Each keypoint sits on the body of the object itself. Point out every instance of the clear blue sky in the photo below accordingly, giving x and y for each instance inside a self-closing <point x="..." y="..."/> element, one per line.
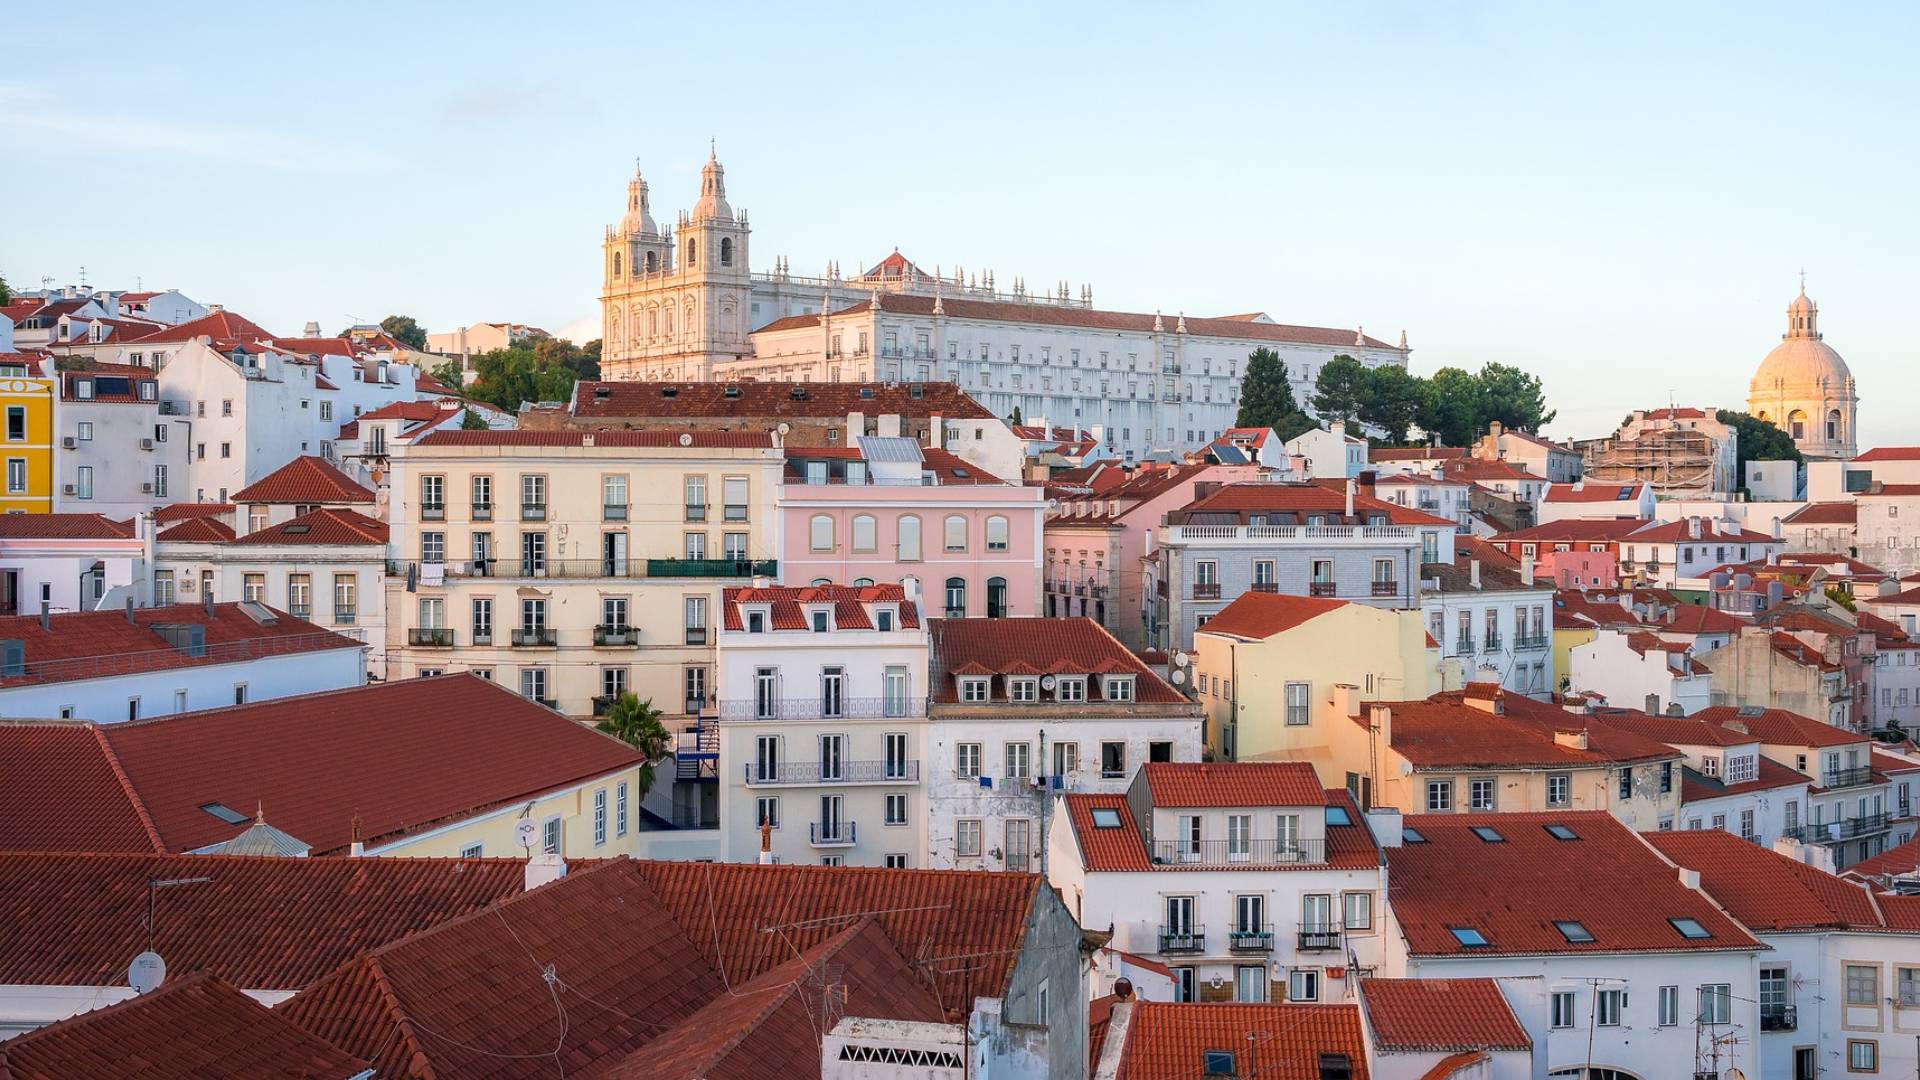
<point x="1617" y="197"/>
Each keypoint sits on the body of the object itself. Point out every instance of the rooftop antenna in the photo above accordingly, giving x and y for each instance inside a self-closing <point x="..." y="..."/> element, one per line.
<point x="148" y="970"/>
<point x="83" y="278"/>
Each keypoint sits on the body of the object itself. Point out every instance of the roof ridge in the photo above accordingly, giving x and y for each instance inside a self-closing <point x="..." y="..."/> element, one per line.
<point x="148" y="721"/>
<point x="787" y="991"/>
<point x="133" y="796"/>
<point x="417" y="1056"/>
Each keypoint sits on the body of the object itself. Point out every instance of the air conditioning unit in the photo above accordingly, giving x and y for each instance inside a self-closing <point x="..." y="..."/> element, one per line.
<point x="67" y="489"/>
<point x="68" y="442"/>
<point x="146" y="444"/>
<point x="146" y="489"/>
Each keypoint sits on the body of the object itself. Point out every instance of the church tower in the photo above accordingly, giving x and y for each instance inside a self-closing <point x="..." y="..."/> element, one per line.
<point x="1804" y="388"/>
<point x="676" y="303"/>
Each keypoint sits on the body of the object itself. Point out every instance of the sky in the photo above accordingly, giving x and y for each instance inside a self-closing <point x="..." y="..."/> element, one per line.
<point x="1616" y="197"/>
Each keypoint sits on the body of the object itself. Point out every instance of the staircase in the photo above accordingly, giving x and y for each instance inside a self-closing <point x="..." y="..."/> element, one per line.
<point x="697" y="751"/>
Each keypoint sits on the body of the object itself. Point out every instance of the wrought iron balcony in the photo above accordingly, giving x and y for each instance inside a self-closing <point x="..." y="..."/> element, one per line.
<point x="1209" y="591"/>
<point x="1320" y="939"/>
<point x="434" y="638"/>
<point x="1463" y="646"/>
<point x="1779" y="1018"/>
<point x="1238" y="853"/>
<point x="830" y="834"/>
<point x="817" y="774"/>
<point x="1323" y="588"/>
<point x="1183" y="939"/>
<point x="433" y="511"/>
<point x="1840" y="778"/>
<point x="1386" y="588"/>
<point x="1528" y="642"/>
<point x="482" y="511"/>
<point x="606" y="634"/>
<point x="1492" y="643"/>
<point x="716" y="568"/>
<point x="535" y="637"/>
<point x="609" y="512"/>
<point x="1251" y="938"/>
<point x="819" y="707"/>
<point x="1266" y="586"/>
<point x="533" y="511"/>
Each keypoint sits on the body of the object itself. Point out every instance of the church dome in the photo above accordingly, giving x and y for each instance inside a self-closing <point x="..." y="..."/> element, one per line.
<point x="639" y="218"/>
<point x="713" y="192"/>
<point x="1802" y="359"/>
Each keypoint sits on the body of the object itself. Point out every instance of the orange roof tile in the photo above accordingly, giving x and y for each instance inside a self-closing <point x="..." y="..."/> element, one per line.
<point x="1289" y="499"/>
<point x="1262" y="615"/>
<point x="92" y="644"/>
<point x="63" y="527"/>
<point x="523" y="437"/>
<point x="197" y="530"/>
<point x="1780" y="727"/>
<point x="1240" y="783"/>
<point x="1168" y="1041"/>
<point x="751" y="400"/>
<point x="1442" y="1015"/>
<point x="787" y="605"/>
<point x="327" y="526"/>
<point x="305" y="480"/>
<point x="1766" y="890"/>
<point x="1590" y="492"/>
<point x="172" y="512"/>
<point x="1830" y="513"/>
<point x="221" y="326"/>
<point x="1051" y="646"/>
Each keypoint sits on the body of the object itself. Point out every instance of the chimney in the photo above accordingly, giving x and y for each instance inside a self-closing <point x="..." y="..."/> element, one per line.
<point x="312" y="329"/>
<point x="130" y="609"/>
<point x="46" y="616"/>
<point x="1778" y="532"/>
<point x="1693" y="527"/>
<point x="358" y="847"/>
<point x="1346" y="700"/>
<point x="1526" y="570"/>
<point x="1204" y="488"/>
<point x="215" y="309"/>
<point x="1386" y="824"/>
<point x="545" y="867"/>
<point x="1690" y="879"/>
<point x="1487" y="699"/>
<point x="1473" y="572"/>
<point x="1580" y="485"/>
<point x="1380" y="719"/>
<point x="766" y="843"/>
<point x="1350" y="487"/>
<point x="1574" y="739"/>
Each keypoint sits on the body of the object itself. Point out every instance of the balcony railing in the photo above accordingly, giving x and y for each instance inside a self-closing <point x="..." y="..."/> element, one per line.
<point x="1839" y="778"/>
<point x="1779" y="1018"/>
<point x="1463" y="646"/>
<point x="615" y="635"/>
<point x="1183" y="939"/>
<point x="1843" y="829"/>
<point x="1238" y="853"/>
<point x="1206" y="591"/>
<point x="433" y="511"/>
<point x="830" y="834"/>
<point x="1492" y="644"/>
<point x="482" y="511"/>
<point x="482" y="636"/>
<point x="1323" y="588"/>
<point x="819" y="708"/>
<point x="1266" y="586"/>
<point x="436" y="638"/>
<point x="816" y="774"/>
<point x="696" y="511"/>
<point x="533" y="511"/>
<point x="720" y="568"/>
<point x="496" y="567"/>
<point x="1301" y="534"/>
<point x="1320" y="939"/>
<point x="535" y="637"/>
<point x="613" y="513"/>
<point x="1527" y="642"/>
<point x="1386" y="588"/>
<point x="1251" y="938"/>
<point x="603" y="703"/>
<point x="344" y="616"/>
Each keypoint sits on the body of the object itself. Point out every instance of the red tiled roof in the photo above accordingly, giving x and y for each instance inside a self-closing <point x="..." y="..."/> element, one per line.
<point x="1574" y="530"/>
<point x="1682" y="413"/>
<point x="1484" y="469"/>
<point x="946" y="466"/>
<point x="198" y="530"/>
<point x="190" y="1027"/>
<point x="711" y="439"/>
<point x="752" y="400"/>
<point x="1891" y="453"/>
<point x="112" y="384"/>
<point x="787" y="605"/>
<point x="1829" y="513"/>
<point x="1624" y="895"/>
<point x="1415" y="453"/>
<point x="1119" y="849"/>
<point x="1441" y="1015"/>
<point x="1890" y="491"/>
<point x="92" y="644"/>
<point x="305" y="479"/>
<point x="1262" y="615"/>
<point x="1239" y="783"/>
<point x="173" y="512"/>
<point x="1169" y="1041"/>
<point x="1698" y="619"/>
<point x="1589" y="492"/>
<point x="1764" y="889"/>
<point x="1077" y="646"/>
<point x="1780" y="727"/>
<point x="1907" y="596"/>
<point x="1800" y="652"/>
<point x="1893" y="764"/>
<point x="63" y="527"/>
<point x="1283" y="498"/>
<point x="1680" y="531"/>
<point x="1770" y="776"/>
<point x="323" y="526"/>
<point x="221" y="326"/>
<point x="262" y="923"/>
<point x="1455" y="1066"/>
<point x="62" y="790"/>
<point x="1442" y="733"/>
<point x="1901" y="859"/>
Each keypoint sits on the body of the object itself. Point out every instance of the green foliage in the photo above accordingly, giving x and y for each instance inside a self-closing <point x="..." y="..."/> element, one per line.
<point x="6" y="292"/>
<point x="1514" y="398"/>
<point x="449" y="374"/>
<point x="543" y="371"/>
<point x="403" y="329"/>
<point x="637" y="723"/>
<point x="1341" y="390"/>
<point x="1759" y="440"/>
<point x="1266" y="397"/>
<point x="1451" y="406"/>
<point x="1840" y="596"/>
<point x="470" y="421"/>
<point x="1015" y="418"/>
<point x="1393" y="402"/>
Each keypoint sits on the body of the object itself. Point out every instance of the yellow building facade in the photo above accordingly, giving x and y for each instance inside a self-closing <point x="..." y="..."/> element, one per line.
<point x="595" y="819"/>
<point x="27" y="405"/>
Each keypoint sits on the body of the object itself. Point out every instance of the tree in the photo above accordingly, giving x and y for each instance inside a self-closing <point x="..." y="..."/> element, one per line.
<point x="403" y="329"/>
<point x="1340" y="392"/>
<point x="1512" y="397"/>
<point x="470" y="421"/>
<point x="1451" y="407"/>
<point x="449" y="374"/>
<point x="1015" y="418"/>
<point x="6" y="293"/>
<point x="1394" y="400"/>
<point x="1266" y="397"/>
<point x="637" y="723"/>
<point x="506" y="378"/>
<point x="1756" y="440"/>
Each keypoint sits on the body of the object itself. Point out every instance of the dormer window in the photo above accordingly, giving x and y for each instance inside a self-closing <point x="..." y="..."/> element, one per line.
<point x="1023" y="689"/>
<point x="822" y="620"/>
<point x="148" y="390"/>
<point x="973" y="689"/>
<point x="883" y="618"/>
<point x="83" y="389"/>
<point x="1071" y="688"/>
<point x="1119" y="688"/>
<point x="756" y="622"/>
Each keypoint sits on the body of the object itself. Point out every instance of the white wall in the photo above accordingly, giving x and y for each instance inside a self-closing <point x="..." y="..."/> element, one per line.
<point x="205" y="686"/>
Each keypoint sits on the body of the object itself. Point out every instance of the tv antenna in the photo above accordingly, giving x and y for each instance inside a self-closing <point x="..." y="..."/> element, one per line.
<point x="148" y="970"/>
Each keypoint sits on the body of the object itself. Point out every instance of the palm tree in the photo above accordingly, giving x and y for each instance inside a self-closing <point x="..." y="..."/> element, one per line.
<point x="637" y="723"/>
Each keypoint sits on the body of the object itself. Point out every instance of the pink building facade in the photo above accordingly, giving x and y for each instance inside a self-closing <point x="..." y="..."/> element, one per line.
<point x="961" y="542"/>
<point x="1582" y="569"/>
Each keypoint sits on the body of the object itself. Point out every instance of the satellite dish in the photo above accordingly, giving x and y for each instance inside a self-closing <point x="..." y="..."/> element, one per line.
<point x="523" y="832"/>
<point x="1181" y="659"/>
<point x="1179" y="677"/>
<point x="686" y="438"/>
<point x="1047" y="681"/>
<point x="783" y="427"/>
<point x="146" y="972"/>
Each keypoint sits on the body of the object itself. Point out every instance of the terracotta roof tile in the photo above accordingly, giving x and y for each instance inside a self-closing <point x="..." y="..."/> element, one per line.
<point x="1262" y="615"/>
<point x="1051" y="646"/>
<point x="1483" y="469"/>
<point x="1891" y="453"/>
<point x="1240" y="783"/>
<point x="1764" y="889"/>
<point x="787" y="605"/>
<point x="91" y="644"/>
<point x="1897" y="860"/>
<point x="221" y="326"/>
<point x="1295" y="499"/>
<point x="262" y="923"/>
<point x="1780" y="727"/>
<point x="1829" y="513"/>
<point x="322" y="526"/>
<point x="1458" y="1066"/>
<point x="1442" y="733"/>
<point x="190" y="1027"/>
<point x="1624" y="895"/>
<point x="61" y="790"/>
<point x="521" y="437"/>
<point x="1575" y="530"/>
<point x="1105" y="848"/>
<point x="752" y="400"/>
<point x="1441" y="1015"/>
<point x="172" y="512"/>
<point x="1415" y="453"/>
<point x="1589" y="492"/>
<point x="63" y="527"/>
<point x="305" y="480"/>
<point x="1770" y="776"/>
<point x="197" y="530"/>
<point x="1165" y="1041"/>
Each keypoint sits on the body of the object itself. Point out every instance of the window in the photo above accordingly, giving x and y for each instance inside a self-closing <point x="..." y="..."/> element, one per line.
<point x="1626" y="782"/>
<point x="1113" y="760"/>
<point x="1119" y="688"/>
<point x="1439" y="796"/>
<point x="1298" y="705"/>
<point x="16" y="423"/>
<point x="694" y="616"/>
<point x="1863" y="984"/>
<point x="907" y="536"/>
<point x="162" y="588"/>
<point x="1357" y="910"/>
<point x="1216" y="1062"/>
<point x="956" y="598"/>
<point x="85" y="431"/>
<point x="1066" y="758"/>
<point x="1561" y="832"/>
<point x="895" y="861"/>
<point x="1563" y="1010"/>
<point x="1716" y="1003"/>
<point x="1468" y="937"/>
<point x="820" y="533"/>
<point x="1018" y="760"/>
<point x="533" y="497"/>
<point x="1303" y="984"/>
<point x="620" y="809"/>
<point x="997" y="533"/>
<point x="253" y="587"/>
<point x="160" y="480"/>
<point x="1608" y="1005"/>
<point x="733" y="497"/>
<point x="955" y="532"/>
<point x="1559" y="789"/>
<point x="865" y="533"/>
<point x="1070" y="688"/>
<point x="1574" y="931"/>
<point x="1690" y="928"/>
<point x="1909" y="986"/>
<point x="973" y="689"/>
<point x="1023" y="688"/>
<point x="966" y="838"/>
<point x="16" y="476"/>
<point x="550" y="836"/>
<point x="600" y="817"/>
<point x="84" y="489"/>
<point x="896" y="808"/>
<point x="966" y="760"/>
<point x="1863" y="1055"/>
<point x="1669" y="1006"/>
<point x="1481" y="792"/>
<point x="345" y="593"/>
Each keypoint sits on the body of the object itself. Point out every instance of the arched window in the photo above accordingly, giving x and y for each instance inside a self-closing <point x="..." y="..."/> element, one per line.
<point x="819" y="581"/>
<point x="996" y="598"/>
<point x="996" y="533"/>
<point x="616" y="264"/>
<point x="667" y="329"/>
<point x="909" y="539"/>
<point x="726" y="251"/>
<point x="1797" y="424"/>
<point x="820" y="533"/>
<point x="863" y="583"/>
<point x="653" y="262"/>
<point x="690" y="260"/>
<point x="956" y="598"/>
<point x="1833" y="426"/>
<point x="956" y="533"/>
<point x="865" y="533"/>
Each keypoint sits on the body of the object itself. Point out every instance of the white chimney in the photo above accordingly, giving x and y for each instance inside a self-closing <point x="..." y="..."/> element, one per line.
<point x="1693" y="527"/>
<point x="1689" y="879"/>
<point x="1526" y="569"/>
<point x="1346" y="700"/>
<point x="6" y="334"/>
<point x="545" y="867"/>
<point x="1350" y="488"/>
<point x="312" y="329"/>
<point x="1473" y="572"/>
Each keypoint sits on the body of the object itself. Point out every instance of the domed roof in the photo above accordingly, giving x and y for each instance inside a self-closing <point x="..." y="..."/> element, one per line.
<point x="1802" y="359"/>
<point x="713" y="191"/>
<point x="639" y="218"/>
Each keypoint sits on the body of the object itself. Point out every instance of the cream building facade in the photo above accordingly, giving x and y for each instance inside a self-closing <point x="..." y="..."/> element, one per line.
<point x="1804" y="387"/>
<point x="575" y="566"/>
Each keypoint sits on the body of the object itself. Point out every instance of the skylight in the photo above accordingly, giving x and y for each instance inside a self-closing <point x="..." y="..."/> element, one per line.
<point x="1468" y="936"/>
<point x="1104" y="818"/>
<point x="1574" y="931"/>
<point x="1337" y="815"/>
<point x="1488" y="833"/>
<point x="1412" y="835"/>
<point x="1218" y="1063"/>
<point x="225" y="813"/>
<point x="1690" y="928"/>
<point x="1561" y="832"/>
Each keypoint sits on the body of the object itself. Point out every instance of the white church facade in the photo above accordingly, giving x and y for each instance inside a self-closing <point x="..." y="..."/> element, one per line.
<point x="683" y="304"/>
